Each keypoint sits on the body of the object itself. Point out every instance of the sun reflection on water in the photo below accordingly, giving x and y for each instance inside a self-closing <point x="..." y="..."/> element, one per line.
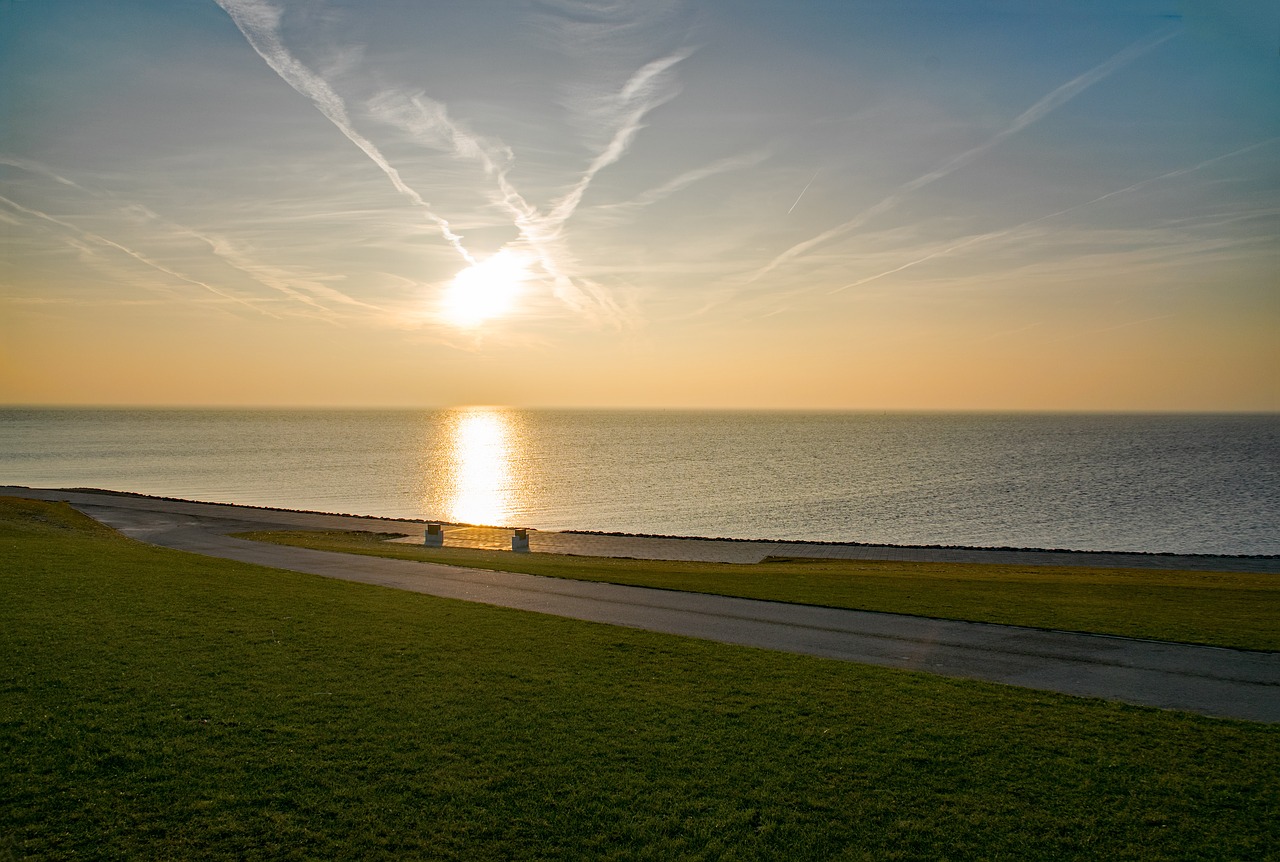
<point x="479" y="455"/>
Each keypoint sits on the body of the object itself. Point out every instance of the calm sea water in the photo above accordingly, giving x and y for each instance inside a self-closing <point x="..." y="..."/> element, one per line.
<point x="1184" y="484"/>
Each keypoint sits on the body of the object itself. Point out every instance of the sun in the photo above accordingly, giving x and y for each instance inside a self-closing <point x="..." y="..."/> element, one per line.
<point x="484" y="290"/>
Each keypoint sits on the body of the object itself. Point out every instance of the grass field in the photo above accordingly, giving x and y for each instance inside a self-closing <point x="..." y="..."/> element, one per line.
<point x="156" y="704"/>
<point x="1219" y="608"/>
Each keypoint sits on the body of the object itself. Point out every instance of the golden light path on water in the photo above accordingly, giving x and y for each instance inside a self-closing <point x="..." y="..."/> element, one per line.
<point x="480" y="486"/>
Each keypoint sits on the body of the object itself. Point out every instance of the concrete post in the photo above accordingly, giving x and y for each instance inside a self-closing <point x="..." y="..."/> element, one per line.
<point x="434" y="537"/>
<point x="520" y="540"/>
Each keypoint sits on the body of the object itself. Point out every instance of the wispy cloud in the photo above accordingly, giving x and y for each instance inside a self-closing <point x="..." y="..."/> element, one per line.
<point x="542" y="232"/>
<point x="101" y="241"/>
<point x="305" y="288"/>
<point x="1004" y="232"/>
<point x="621" y="116"/>
<point x="259" y="22"/>
<point x="1056" y="98"/>
<point x="1090" y="264"/>
<point x="34" y="167"/>
<point x="431" y="124"/>
<point x="613" y="118"/>
<point x="606" y="35"/>
<point x="428" y="120"/>
<point x="682" y="181"/>
<point x="652" y="85"/>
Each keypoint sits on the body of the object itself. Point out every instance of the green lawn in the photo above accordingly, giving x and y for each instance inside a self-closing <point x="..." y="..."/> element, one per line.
<point x="1219" y="608"/>
<point x="157" y="705"/>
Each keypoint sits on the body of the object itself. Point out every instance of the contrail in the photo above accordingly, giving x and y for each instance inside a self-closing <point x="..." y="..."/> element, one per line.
<point x="803" y="190"/>
<point x="970" y="241"/>
<point x="141" y="258"/>
<point x="35" y="167"/>
<point x="220" y="247"/>
<point x="642" y="93"/>
<point x="1006" y="231"/>
<point x="1047" y="104"/>
<point x="259" y="22"/>
<point x="686" y="179"/>
<point x="276" y="278"/>
<point x="430" y="122"/>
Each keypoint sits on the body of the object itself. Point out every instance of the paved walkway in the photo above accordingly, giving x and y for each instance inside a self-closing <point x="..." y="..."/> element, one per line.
<point x="1222" y="682"/>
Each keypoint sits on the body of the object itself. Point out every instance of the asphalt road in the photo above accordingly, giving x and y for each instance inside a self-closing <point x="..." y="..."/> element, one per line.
<point x="1213" y="681"/>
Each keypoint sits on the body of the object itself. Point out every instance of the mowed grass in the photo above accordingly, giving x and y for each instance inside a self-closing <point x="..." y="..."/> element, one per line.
<point x="156" y="704"/>
<point x="1219" y="608"/>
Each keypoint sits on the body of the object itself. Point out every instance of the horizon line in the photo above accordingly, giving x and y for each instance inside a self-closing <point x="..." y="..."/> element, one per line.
<point x="387" y="408"/>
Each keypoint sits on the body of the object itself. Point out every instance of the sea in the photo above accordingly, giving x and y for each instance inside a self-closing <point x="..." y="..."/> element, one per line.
<point x="1200" y="484"/>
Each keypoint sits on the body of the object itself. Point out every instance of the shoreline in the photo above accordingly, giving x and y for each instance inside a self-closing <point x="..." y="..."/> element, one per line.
<point x="920" y="547"/>
<point x="654" y="546"/>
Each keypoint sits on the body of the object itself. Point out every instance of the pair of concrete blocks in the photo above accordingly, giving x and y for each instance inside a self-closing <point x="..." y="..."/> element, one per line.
<point x="434" y="538"/>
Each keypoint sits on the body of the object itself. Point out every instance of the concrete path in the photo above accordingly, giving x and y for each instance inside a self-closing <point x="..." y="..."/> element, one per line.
<point x="1213" y="681"/>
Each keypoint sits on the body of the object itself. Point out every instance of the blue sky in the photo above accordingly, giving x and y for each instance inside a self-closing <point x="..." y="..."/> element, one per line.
<point x="880" y="205"/>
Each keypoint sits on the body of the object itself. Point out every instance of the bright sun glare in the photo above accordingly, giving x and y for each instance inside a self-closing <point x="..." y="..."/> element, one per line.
<point x="484" y="290"/>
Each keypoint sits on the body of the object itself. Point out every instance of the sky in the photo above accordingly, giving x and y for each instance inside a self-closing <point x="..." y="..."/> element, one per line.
<point x="888" y="205"/>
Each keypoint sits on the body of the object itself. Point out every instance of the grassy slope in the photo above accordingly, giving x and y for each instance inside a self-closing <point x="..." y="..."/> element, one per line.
<point x="1220" y="608"/>
<point x="155" y="704"/>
